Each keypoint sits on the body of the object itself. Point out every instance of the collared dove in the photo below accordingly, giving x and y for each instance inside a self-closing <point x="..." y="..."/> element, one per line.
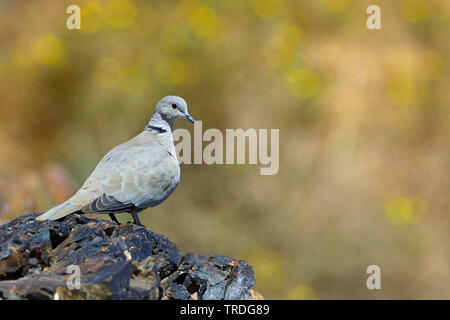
<point x="134" y="175"/>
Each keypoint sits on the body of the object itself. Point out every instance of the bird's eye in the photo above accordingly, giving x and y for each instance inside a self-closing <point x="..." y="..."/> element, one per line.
<point x="174" y="105"/>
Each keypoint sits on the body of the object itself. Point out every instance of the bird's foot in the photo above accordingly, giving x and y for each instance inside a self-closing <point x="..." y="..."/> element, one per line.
<point x="113" y="218"/>
<point x="136" y="220"/>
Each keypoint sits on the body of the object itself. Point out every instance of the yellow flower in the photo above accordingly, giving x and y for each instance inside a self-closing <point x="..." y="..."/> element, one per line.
<point x="335" y="5"/>
<point x="49" y="49"/>
<point x="402" y="211"/>
<point x="203" y="21"/>
<point x="402" y="91"/>
<point x="414" y="11"/>
<point x="303" y="83"/>
<point x="120" y="14"/>
<point x="91" y="17"/>
<point x="267" y="8"/>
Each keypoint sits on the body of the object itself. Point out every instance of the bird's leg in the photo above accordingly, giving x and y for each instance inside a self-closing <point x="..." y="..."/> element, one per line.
<point x="136" y="218"/>
<point x="113" y="218"/>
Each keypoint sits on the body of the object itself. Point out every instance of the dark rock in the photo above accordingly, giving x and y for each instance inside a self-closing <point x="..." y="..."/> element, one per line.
<point x="39" y="260"/>
<point x="240" y="285"/>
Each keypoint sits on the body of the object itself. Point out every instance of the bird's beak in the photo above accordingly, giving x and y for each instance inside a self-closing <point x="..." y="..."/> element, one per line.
<point x="189" y="117"/>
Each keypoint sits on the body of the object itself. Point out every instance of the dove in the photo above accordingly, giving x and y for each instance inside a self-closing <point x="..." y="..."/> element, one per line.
<point x="134" y="175"/>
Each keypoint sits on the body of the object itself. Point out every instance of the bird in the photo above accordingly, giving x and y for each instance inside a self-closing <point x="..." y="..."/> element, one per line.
<point x="139" y="173"/>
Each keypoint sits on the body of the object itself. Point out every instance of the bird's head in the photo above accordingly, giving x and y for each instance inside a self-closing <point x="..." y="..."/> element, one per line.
<point x="171" y="108"/>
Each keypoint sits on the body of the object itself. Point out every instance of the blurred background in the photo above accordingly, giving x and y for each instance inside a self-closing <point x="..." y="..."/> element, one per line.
<point x="363" y="116"/>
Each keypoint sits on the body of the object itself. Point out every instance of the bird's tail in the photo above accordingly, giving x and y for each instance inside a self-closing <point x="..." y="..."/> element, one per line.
<point x="60" y="211"/>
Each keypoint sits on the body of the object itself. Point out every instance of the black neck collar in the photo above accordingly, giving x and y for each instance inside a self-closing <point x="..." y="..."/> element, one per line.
<point x="155" y="128"/>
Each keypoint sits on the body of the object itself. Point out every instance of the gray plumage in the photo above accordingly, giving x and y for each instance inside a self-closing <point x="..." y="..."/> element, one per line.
<point x="134" y="175"/>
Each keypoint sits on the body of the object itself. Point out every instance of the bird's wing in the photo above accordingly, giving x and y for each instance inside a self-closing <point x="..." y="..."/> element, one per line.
<point x="136" y="176"/>
<point x="107" y="204"/>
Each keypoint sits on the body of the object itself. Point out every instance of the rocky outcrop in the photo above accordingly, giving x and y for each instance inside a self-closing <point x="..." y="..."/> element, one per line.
<point x="45" y="260"/>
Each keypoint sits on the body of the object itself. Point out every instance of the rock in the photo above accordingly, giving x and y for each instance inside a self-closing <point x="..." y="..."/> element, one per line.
<point x="40" y="260"/>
